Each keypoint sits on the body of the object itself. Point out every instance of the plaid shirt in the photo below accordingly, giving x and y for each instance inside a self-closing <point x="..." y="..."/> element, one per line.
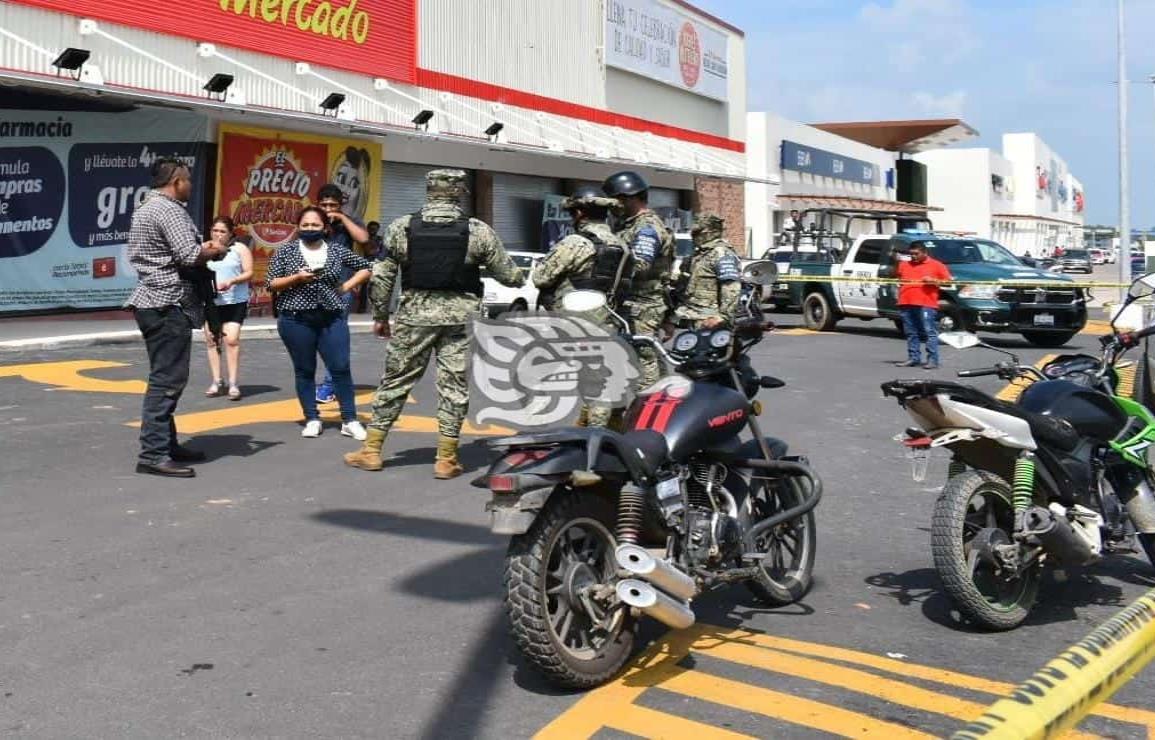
<point x="163" y="238"/>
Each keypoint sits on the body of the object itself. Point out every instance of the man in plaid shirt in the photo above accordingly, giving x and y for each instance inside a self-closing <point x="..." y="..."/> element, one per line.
<point x="164" y="247"/>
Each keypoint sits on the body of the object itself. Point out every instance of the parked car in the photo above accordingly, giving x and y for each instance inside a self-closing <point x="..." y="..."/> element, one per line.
<point x="1111" y="255"/>
<point x="1098" y="257"/>
<point x="1076" y="260"/>
<point x="499" y="299"/>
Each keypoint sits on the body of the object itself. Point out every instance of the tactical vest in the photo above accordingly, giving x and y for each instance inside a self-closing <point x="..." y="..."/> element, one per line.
<point x="436" y="255"/>
<point x="610" y="271"/>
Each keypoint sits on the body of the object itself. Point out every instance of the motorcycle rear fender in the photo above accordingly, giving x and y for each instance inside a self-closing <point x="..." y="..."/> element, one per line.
<point x="537" y="465"/>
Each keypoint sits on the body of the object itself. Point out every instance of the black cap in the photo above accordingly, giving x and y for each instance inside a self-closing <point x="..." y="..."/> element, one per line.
<point x="625" y="183"/>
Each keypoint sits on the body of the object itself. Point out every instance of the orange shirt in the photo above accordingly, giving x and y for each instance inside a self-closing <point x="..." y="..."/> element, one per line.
<point x="914" y="292"/>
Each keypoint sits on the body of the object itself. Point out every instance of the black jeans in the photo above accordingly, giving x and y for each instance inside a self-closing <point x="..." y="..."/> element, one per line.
<point x="168" y="338"/>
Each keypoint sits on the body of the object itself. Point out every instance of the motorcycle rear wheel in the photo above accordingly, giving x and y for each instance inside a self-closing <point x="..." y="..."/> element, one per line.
<point x="569" y="547"/>
<point x="787" y="571"/>
<point x="970" y="503"/>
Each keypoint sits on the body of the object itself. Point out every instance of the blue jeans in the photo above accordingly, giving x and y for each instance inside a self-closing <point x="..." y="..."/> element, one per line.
<point x="348" y="298"/>
<point x="306" y="333"/>
<point x="918" y="323"/>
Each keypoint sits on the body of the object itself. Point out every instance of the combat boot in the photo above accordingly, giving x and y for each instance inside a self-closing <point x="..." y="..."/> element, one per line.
<point x="447" y="465"/>
<point x="369" y="456"/>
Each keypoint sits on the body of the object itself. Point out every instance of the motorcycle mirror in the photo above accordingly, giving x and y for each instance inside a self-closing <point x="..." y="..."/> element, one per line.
<point x="1143" y="287"/>
<point x="760" y="272"/>
<point x="959" y="339"/>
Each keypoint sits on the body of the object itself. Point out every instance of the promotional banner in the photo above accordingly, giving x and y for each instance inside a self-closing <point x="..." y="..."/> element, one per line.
<point x="69" y="183"/>
<point x="265" y="177"/>
<point x="665" y="44"/>
<point x="372" y="37"/>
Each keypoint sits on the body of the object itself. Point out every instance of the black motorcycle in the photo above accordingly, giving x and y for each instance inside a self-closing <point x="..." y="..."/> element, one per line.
<point x="607" y="526"/>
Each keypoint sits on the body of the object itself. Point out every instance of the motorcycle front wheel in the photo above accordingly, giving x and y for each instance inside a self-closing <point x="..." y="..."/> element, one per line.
<point x="558" y="624"/>
<point x="973" y="507"/>
<point x="786" y="571"/>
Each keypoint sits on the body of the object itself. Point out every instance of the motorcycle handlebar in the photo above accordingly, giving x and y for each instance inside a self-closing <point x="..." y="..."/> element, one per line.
<point x="979" y="372"/>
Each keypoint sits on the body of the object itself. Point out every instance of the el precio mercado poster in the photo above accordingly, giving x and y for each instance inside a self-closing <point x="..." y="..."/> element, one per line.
<point x="265" y="177"/>
<point x="69" y="183"/>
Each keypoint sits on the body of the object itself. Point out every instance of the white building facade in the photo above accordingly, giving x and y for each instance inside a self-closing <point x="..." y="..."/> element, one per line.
<point x="796" y="166"/>
<point x="531" y="99"/>
<point x="1024" y="197"/>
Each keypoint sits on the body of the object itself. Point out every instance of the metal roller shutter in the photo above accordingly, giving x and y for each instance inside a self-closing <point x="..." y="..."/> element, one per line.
<point x="403" y="190"/>
<point x="517" y="209"/>
<point x="663" y="198"/>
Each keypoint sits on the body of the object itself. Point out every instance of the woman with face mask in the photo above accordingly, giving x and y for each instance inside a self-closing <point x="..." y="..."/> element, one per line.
<point x="305" y="274"/>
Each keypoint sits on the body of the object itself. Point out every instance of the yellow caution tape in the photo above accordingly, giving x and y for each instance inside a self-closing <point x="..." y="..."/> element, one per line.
<point x="1061" y="693"/>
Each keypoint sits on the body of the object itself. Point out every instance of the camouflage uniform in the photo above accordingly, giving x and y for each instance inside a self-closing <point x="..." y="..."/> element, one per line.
<point x="574" y="256"/>
<point x="709" y="285"/>
<point x="652" y="244"/>
<point x="432" y="321"/>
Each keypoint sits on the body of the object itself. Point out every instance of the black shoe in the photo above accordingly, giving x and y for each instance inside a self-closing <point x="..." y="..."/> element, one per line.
<point x="167" y="469"/>
<point x="184" y="454"/>
<point x="908" y="363"/>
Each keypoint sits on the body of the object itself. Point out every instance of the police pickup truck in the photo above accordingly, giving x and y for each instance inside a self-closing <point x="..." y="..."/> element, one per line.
<point x="1046" y="316"/>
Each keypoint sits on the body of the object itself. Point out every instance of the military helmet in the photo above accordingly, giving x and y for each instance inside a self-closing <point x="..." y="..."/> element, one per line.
<point x="588" y="196"/>
<point x="625" y="183"/>
<point x="445" y="183"/>
<point x="707" y="227"/>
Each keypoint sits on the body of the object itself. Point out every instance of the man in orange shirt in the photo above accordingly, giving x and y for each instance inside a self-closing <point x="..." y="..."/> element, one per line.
<point x="921" y="277"/>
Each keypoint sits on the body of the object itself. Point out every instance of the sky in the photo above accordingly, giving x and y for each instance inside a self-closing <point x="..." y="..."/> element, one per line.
<point x="1003" y="66"/>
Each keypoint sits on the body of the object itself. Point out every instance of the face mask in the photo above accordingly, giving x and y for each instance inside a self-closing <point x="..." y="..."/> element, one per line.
<point x="310" y="235"/>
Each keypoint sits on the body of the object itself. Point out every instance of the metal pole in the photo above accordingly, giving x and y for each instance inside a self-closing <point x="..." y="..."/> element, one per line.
<point x="1124" y="169"/>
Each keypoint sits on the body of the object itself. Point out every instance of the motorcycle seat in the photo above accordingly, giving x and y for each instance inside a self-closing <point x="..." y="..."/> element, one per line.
<point x="1047" y="429"/>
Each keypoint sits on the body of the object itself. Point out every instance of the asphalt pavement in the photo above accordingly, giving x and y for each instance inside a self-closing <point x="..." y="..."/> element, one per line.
<point x="281" y="594"/>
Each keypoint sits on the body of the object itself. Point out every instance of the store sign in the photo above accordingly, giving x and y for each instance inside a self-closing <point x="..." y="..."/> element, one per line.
<point x="69" y="183"/>
<point x="657" y="41"/>
<point x="265" y="177"/>
<point x="827" y="164"/>
<point x="372" y="37"/>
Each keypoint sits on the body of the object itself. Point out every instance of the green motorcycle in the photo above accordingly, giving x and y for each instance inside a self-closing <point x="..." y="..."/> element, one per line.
<point x="1062" y="476"/>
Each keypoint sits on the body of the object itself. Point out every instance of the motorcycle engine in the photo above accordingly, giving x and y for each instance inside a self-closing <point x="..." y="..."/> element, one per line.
<point x="712" y="534"/>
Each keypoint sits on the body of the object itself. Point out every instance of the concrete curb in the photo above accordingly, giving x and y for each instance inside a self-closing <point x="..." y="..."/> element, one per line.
<point x="132" y="336"/>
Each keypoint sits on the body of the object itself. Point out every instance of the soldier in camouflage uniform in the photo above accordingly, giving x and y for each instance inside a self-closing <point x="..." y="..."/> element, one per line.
<point x="439" y="253"/>
<point x="652" y="245"/>
<point x="710" y="283"/>
<point x="593" y="258"/>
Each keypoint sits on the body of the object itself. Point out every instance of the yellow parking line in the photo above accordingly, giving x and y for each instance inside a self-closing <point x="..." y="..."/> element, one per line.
<point x="785" y="707"/>
<point x="650" y="723"/>
<point x="863" y="682"/>
<point x="943" y="676"/>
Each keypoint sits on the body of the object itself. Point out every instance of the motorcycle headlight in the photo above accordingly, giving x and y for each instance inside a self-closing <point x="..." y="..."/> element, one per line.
<point x="981" y="292"/>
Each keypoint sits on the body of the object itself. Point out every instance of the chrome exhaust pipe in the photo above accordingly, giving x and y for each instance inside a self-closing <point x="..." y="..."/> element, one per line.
<point x="644" y="566"/>
<point x="653" y="603"/>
